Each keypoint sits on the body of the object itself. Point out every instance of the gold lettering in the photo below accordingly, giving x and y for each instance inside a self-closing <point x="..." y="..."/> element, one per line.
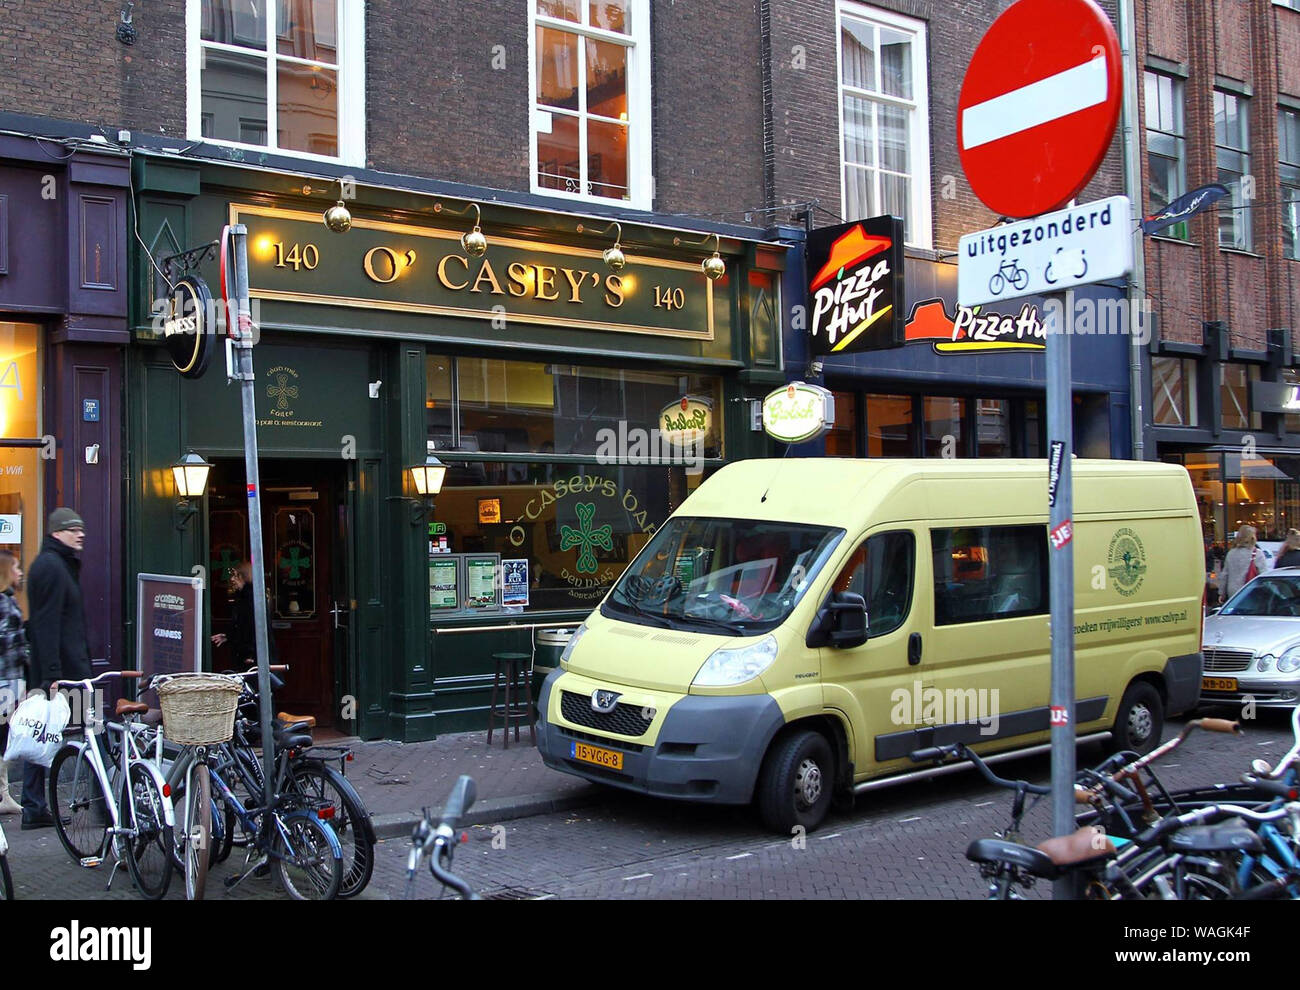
<point x="442" y="271"/>
<point x="575" y="284"/>
<point x="368" y="263"/>
<point x="486" y="272"/>
<point x="613" y="291"/>
<point x="518" y="276"/>
<point x="546" y="283"/>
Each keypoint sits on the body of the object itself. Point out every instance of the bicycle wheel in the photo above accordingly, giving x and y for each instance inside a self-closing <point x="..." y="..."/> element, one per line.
<point x="77" y="803"/>
<point x="6" y="880"/>
<point x="304" y="857"/>
<point x="148" y="852"/>
<point x="198" y="831"/>
<point x="325" y="785"/>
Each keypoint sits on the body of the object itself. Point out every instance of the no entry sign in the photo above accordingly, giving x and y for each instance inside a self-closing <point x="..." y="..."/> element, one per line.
<point x="1039" y="105"/>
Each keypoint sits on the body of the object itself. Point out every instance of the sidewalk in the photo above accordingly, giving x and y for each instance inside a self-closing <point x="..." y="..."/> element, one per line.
<point x="396" y="780"/>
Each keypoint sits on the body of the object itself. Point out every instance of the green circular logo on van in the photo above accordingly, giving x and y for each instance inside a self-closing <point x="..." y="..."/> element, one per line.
<point x="1127" y="562"/>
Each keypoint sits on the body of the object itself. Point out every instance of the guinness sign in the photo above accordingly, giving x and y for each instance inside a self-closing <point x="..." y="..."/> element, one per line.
<point x="185" y="329"/>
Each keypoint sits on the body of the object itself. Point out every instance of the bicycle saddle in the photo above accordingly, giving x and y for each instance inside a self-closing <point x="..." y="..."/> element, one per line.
<point x="1081" y="847"/>
<point x="125" y="707"/>
<point x="1013" y="854"/>
<point x="286" y="719"/>
<point x="292" y="740"/>
<point x="1224" y="837"/>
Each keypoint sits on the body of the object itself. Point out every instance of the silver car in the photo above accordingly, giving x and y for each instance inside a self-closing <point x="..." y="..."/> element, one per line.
<point x="1252" y="644"/>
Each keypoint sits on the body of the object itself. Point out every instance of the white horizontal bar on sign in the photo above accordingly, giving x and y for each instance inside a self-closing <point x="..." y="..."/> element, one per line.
<point x="1040" y="102"/>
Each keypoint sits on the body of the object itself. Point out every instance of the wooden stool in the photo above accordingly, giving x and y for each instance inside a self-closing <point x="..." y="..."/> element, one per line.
<point x="511" y="675"/>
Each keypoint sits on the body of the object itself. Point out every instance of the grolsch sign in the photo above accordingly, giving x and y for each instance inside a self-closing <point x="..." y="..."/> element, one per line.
<point x="855" y="286"/>
<point x="186" y="333"/>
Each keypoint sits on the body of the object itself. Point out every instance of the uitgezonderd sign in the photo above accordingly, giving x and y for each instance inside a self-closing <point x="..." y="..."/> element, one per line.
<point x="798" y="412"/>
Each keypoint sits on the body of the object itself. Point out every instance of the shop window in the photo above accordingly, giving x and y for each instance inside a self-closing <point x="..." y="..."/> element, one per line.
<point x="590" y="98"/>
<point x="1259" y="491"/>
<point x="1166" y="148"/>
<point x="1035" y="429"/>
<point x="764" y="323"/>
<point x="881" y="571"/>
<point x="1288" y="148"/>
<point x="1232" y="154"/>
<point x="1173" y="391"/>
<point x="993" y="427"/>
<point x="20" y="467"/>
<point x="291" y="70"/>
<point x="1206" y="473"/>
<point x="943" y="427"/>
<point x="989" y="572"/>
<point x="842" y="440"/>
<point x="1234" y="396"/>
<point x="884" y="113"/>
<point x="891" y="431"/>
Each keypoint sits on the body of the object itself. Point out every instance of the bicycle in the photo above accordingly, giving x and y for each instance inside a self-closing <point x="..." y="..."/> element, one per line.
<point x="1008" y="272"/>
<point x="438" y="842"/>
<point x="87" y="816"/>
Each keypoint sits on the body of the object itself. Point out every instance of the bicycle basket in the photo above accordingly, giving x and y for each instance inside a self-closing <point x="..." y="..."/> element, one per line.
<point x="198" y="709"/>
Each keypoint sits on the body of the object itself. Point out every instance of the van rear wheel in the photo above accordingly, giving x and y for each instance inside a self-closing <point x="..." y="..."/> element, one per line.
<point x="794" y="787"/>
<point x="1140" y="719"/>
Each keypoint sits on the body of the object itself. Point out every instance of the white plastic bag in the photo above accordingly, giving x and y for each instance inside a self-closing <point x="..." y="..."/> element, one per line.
<point x="36" y="729"/>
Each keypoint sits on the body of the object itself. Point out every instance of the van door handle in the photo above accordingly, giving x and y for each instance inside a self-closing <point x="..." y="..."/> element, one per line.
<point x="914" y="649"/>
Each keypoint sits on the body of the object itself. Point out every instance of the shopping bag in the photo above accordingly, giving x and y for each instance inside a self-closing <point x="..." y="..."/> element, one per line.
<point x="36" y="729"/>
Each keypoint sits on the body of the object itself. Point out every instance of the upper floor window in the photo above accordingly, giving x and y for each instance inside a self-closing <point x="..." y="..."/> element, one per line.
<point x="1173" y="391"/>
<point x="279" y="75"/>
<point x="884" y="114"/>
<point x="590" y="97"/>
<point x="1288" y="153"/>
<point x="1166" y="151"/>
<point x="1232" y="152"/>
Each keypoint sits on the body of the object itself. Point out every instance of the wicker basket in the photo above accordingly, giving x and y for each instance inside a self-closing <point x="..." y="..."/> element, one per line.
<point x="198" y="709"/>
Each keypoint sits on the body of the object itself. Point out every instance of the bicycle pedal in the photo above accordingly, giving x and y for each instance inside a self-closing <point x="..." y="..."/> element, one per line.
<point x="90" y="862"/>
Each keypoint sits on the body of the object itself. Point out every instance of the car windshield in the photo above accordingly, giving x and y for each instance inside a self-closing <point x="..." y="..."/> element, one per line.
<point x="1277" y="595"/>
<point x="734" y="576"/>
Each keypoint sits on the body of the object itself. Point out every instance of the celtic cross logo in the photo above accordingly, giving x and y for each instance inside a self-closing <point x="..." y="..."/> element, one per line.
<point x="282" y="391"/>
<point x="225" y="563"/>
<point x="295" y="562"/>
<point x="586" y="538"/>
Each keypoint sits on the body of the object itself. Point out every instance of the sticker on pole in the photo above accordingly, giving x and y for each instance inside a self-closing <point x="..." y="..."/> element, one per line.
<point x="1060" y="716"/>
<point x="1062" y="535"/>
<point x="252" y="491"/>
<point x="1054" y="471"/>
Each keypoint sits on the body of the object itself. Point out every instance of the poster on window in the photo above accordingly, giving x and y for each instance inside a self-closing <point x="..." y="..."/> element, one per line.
<point x="295" y="576"/>
<point x="514" y="582"/>
<point x="480" y="581"/>
<point x="444" y="583"/>
<point x="167" y="613"/>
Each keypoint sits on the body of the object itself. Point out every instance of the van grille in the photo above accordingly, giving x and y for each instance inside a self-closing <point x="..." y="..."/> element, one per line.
<point x="625" y="720"/>
<point x="1226" y="661"/>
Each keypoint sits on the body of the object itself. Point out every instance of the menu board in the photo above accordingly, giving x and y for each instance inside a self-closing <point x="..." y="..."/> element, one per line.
<point x="481" y="581"/>
<point x="444" y="583"/>
<point x="169" y="623"/>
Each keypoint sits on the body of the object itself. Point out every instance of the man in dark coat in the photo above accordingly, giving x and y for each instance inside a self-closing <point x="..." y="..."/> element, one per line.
<point x="56" y="633"/>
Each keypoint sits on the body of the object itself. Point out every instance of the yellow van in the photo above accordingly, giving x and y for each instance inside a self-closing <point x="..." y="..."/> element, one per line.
<point x="798" y="627"/>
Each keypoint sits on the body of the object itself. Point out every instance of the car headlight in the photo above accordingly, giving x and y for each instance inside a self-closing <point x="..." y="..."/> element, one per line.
<point x="573" y="641"/>
<point x="1265" y="662"/>
<point x="735" y="666"/>
<point x="1289" y="662"/>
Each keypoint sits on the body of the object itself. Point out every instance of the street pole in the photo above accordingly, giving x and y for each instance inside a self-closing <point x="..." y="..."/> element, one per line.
<point x="244" y="364"/>
<point x="1060" y="486"/>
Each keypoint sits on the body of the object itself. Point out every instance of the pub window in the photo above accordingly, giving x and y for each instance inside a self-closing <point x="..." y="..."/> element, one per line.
<point x="1288" y="147"/>
<point x="1232" y="152"/>
<point x="993" y="428"/>
<point x="884" y="115"/>
<point x="281" y="75"/>
<point x="1234" y="396"/>
<point x="891" y="430"/>
<point x="1166" y="150"/>
<point x="590" y="99"/>
<point x="988" y="572"/>
<point x="1173" y="391"/>
<point x="842" y="438"/>
<point x="21" y="468"/>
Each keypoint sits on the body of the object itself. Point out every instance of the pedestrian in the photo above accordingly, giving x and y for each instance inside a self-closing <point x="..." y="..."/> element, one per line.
<point x="242" y="638"/>
<point x="1290" y="553"/>
<point x="13" y="665"/>
<point x="1242" y="563"/>
<point x="56" y="634"/>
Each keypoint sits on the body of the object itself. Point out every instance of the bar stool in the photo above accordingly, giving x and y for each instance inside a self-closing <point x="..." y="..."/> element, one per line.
<point x="511" y="677"/>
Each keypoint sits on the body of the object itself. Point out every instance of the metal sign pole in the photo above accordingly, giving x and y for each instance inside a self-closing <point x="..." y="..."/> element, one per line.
<point x="244" y="355"/>
<point x="1060" y="487"/>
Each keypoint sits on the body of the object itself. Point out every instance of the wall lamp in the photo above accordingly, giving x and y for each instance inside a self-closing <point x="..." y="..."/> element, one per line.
<point x="338" y="218"/>
<point x="613" y="256"/>
<point x="426" y="479"/>
<point x="472" y="242"/>
<point x="714" y="268"/>
<point x="191" y="476"/>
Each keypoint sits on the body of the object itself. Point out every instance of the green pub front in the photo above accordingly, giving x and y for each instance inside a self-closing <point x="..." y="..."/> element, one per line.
<point x="575" y="407"/>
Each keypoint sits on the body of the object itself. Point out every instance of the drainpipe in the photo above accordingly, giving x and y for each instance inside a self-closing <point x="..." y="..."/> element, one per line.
<point x="1137" y="292"/>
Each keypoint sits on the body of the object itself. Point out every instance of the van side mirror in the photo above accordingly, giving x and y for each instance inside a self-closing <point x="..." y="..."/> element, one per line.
<point x="848" y="620"/>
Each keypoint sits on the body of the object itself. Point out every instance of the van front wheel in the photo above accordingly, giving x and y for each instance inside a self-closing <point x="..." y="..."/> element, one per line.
<point x="795" y="785"/>
<point x="1140" y="719"/>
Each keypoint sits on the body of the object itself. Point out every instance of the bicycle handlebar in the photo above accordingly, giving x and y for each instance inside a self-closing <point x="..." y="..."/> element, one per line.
<point x="86" y="682"/>
<point x="960" y="751"/>
<point x="1215" y="811"/>
<point x="1275" y="787"/>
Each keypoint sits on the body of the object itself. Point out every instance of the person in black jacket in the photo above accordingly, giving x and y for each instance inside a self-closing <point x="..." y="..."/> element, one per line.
<point x="56" y="633"/>
<point x="242" y="638"/>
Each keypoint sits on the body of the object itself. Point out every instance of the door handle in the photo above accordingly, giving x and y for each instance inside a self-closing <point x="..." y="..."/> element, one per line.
<point x="914" y="649"/>
<point x="336" y="611"/>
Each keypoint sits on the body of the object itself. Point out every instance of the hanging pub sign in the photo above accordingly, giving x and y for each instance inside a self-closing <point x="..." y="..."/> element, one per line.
<point x="686" y="422"/>
<point x="798" y="412"/>
<point x="185" y="326"/>
<point x="1187" y="205"/>
<point x="855" y="286"/>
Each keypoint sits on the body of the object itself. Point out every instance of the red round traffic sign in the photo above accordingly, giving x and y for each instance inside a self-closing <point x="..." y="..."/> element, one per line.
<point x="1039" y="105"/>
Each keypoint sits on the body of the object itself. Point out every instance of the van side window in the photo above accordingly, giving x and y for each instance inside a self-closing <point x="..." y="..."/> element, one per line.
<point x="989" y="572"/>
<point x="881" y="571"/>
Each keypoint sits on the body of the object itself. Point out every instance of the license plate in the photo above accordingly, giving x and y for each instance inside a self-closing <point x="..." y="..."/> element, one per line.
<point x="594" y="754"/>
<point x="1218" y="683"/>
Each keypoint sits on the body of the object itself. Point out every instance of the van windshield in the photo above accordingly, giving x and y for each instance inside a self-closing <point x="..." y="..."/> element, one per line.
<point x="735" y="576"/>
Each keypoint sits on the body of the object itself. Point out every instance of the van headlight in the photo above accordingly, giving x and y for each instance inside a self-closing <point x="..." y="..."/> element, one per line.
<point x="1265" y="662"/>
<point x="1289" y="662"/>
<point x="726" y="667"/>
<point x="573" y="641"/>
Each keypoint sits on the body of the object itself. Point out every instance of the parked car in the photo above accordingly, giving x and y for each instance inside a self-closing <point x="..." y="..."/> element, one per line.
<point x="1251" y="646"/>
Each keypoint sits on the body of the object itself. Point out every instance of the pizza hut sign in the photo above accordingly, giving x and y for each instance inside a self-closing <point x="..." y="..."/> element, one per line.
<point x="856" y="286"/>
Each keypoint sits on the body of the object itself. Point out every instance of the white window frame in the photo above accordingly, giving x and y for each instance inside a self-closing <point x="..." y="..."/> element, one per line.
<point x="351" y="93"/>
<point x="640" y="171"/>
<point x="919" y="135"/>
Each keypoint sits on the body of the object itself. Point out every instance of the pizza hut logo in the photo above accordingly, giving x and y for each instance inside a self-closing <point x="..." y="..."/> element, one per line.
<point x="851" y="291"/>
<point x="975" y="329"/>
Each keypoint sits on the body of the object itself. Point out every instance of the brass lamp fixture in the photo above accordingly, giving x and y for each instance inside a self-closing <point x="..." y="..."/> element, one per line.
<point x="191" y="476"/>
<point x="472" y="242"/>
<point x="338" y="218"/>
<point x="427" y="480"/>
<point x="714" y="268"/>
<point x="613" y="256"/>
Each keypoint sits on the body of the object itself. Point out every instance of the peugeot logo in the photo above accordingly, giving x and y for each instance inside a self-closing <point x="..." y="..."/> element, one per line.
<point x="604" y="701"/>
